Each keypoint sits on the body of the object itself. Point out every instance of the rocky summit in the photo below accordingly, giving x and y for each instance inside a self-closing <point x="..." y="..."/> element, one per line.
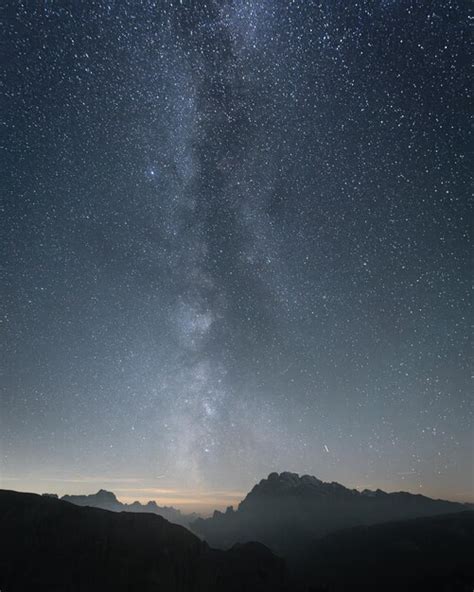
<point x="286" y="511"/>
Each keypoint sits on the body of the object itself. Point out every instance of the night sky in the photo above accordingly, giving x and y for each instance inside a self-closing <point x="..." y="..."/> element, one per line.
<point x="235" y="240"/>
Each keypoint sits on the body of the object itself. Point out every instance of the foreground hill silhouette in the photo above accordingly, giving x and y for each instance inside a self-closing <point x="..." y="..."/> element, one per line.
<point x="286" y="512"/>
<point x="433" y="554"/>
<point x="53" y="546"/>
<point x="106" y="500"/>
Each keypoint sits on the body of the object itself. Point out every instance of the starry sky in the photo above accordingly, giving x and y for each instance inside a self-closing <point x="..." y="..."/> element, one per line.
<point x="235" y="239"/>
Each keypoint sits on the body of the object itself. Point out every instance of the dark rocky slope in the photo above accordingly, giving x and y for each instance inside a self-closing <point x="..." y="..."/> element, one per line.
<point x="53" y="546"/>
<point x="433" y="554"/>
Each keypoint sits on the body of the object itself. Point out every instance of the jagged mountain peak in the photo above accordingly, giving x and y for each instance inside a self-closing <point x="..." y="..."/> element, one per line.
<point x="292" y="484"/>
<point x="290" y="479"/>
<point x="104" y="494"/>
<point x="107" y="500"/>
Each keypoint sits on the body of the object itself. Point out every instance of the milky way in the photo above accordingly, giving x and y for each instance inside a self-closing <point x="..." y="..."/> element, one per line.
<point x="236" y="240"/>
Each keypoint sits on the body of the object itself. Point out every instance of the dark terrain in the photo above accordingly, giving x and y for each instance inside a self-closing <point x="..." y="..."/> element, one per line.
<point x="51" y="545"/>
<point x="433" y="554"/>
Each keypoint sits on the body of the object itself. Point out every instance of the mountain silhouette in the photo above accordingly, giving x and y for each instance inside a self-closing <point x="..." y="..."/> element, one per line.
<point x="286" y="512"/>
<point x="51" y="545"/>
<point x="107" y="500"/>
<point x="431" y="554"/>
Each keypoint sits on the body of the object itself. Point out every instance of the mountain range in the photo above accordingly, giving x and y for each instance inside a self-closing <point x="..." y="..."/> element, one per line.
<point x="106" y="500"/>
<point x="289" y="534"/>
<point x="286" y="512"/>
